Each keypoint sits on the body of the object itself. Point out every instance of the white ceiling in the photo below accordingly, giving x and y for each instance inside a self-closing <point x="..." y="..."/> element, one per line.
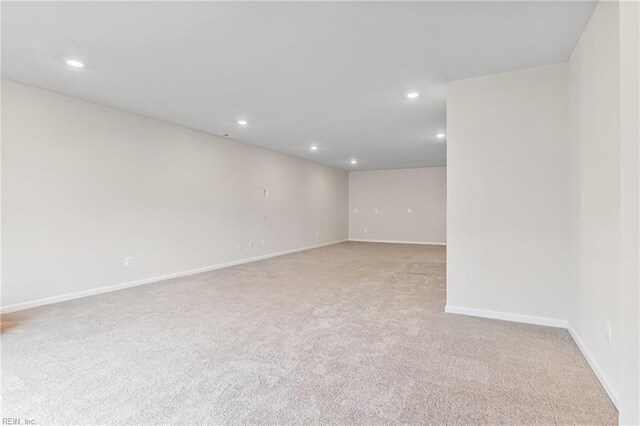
<point x="331" y="74"/>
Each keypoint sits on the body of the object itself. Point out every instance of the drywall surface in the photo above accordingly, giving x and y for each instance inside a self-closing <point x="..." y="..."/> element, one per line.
<point x="594" y="105"/>
<point x="518" y="180"/>
<point x="405" y="205"/>
<point x="630" y="211"/>
<point x="507" y="190"/>
<point x="603" y="93"/>
<point x="85" y="186"/>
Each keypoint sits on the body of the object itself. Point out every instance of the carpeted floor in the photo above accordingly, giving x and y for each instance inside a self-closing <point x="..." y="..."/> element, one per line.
<point x="353" y="333"/>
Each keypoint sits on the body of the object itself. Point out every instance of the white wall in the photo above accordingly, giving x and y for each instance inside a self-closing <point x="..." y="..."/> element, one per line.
<point x="507" y="210"/>
<point x="379" y="201"/>
<point x="84" y="186"/>
<point x="603" y="124"/>
<point x="533" y="154"/>
<point x="594" y="105"/>
<point x="630" y="211"/>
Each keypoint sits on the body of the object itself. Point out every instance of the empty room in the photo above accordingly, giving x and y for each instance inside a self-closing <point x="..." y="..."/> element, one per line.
<point x="320" y="213"/>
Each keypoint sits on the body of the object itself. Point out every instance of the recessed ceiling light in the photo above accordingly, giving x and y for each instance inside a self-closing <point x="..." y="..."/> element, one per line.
<point x="242" y="122"/>
<point x="440" y="135"/>
<point x="413" y="95"/>
<point x="226" y="135"/>
<point x="354" y="161"/>
<point x="313" y="147"/>
<point x="74" y="63"/>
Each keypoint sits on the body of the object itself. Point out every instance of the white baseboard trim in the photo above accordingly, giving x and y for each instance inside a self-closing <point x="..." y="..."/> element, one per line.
<point x="507" y="316"/>
<point x="550" y="322"/>
<point x="397" y="242"/>
<point x="106" y="289"/>
<point x="594" y="366"/>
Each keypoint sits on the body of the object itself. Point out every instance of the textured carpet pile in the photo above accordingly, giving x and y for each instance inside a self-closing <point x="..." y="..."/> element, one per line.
<point x="353" y="333"/>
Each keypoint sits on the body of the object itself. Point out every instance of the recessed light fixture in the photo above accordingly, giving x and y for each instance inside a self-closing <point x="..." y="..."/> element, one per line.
<point x="74" y="63"/>
<point x="354" y="161"/>
<point x="440" y="135"/>
<point x="313" y="147"/>
<point x="226" y="135"/>
<point x="413" y="95"/>
<point x="242" y="122"/>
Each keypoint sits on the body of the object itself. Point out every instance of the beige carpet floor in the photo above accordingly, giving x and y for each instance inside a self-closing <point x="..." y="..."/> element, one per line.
<point x="353" y="333"/>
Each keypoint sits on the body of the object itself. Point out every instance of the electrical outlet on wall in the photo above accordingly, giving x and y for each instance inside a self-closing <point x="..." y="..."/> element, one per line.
<point x="355" y="210"/>
<point x="409" y="210"/>
<point x="366" y="231"/>
<point x="261" y="242"/>
<point x="318" y="234"/>
<point x="127" y="261"/>
<point x="609" y="331"/>
<point x="375" y="210"/>
<point x="251" y="243"/>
